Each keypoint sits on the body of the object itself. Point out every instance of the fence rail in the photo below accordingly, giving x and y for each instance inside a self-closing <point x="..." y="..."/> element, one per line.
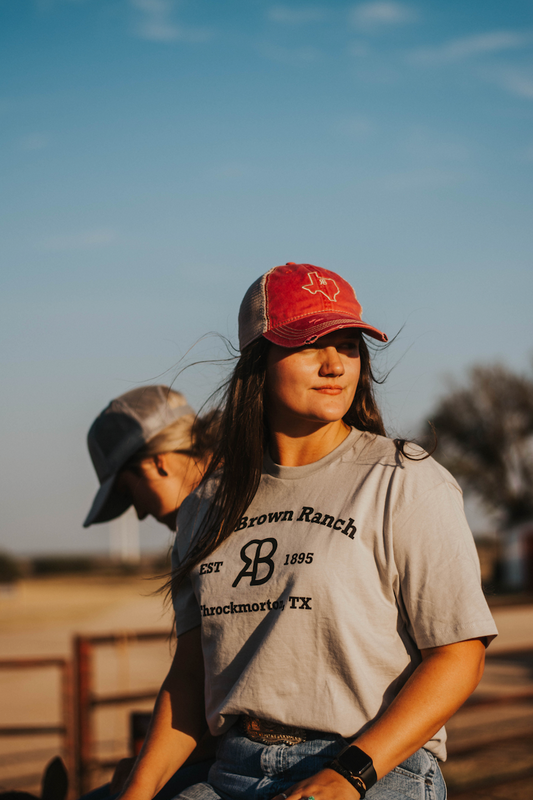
<point x="79" y="702"/>
<point x="86" y="760"/>
<point x="65" y="728"/>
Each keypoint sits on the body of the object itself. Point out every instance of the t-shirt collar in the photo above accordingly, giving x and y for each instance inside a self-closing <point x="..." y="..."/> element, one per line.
<point x="294" y="473"/>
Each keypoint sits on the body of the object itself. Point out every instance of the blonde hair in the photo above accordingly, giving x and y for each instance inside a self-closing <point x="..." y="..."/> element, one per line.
<point x="194" y="436"/>
<point x="176" y="436"/>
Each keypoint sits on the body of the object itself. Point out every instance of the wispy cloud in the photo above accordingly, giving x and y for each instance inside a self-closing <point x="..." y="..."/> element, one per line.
<point x="428" y="147"/>
<point x="33" y="141"/>
<point x="290" y="15"/>
<point x="516" y="81"/>
<point x="355" y="126"/>
<point x="381" y="13"/>
<point x="46" y="5"/>
<point x="471" y="46"/>
<point x="359" y="49"/>
<point x="81" y="240"/>
<point x="156" y="23"/>
<point x="233" y="171"/>
<point x="372" y="72"/>
<point x="417" y="180"/>
<point x="289" y="55"/>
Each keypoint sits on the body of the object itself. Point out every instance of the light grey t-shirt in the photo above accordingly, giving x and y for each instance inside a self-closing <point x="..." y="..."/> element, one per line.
<point x="314" y="611"/>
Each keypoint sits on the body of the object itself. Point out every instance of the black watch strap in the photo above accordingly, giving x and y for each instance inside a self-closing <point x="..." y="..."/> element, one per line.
<point x="356" y="782"/>
<point x="358" y="764"/>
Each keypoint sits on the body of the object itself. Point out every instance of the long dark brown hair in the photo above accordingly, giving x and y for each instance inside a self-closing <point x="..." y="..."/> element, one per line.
<point x="243" y="436"/>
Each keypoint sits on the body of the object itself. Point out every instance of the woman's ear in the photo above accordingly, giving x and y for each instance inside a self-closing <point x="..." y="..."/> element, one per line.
<point x="160" y="464"/>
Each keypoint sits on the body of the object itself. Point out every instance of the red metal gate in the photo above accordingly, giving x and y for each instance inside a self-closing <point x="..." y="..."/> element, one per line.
<point x="65" y="728"/>
<point x="86" y="760"/>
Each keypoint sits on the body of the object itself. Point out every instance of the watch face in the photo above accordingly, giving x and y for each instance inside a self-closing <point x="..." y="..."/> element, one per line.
<point x="355" y="760"/>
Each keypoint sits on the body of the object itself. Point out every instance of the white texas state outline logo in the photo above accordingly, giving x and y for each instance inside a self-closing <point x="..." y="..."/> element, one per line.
<point x="326" y="286"/>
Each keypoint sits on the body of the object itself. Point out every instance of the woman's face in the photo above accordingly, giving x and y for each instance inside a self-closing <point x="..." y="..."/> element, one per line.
<point x="158" y="485"/>
<point x="313" y="384"/>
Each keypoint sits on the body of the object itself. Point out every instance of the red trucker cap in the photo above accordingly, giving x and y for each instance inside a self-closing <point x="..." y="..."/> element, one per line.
<point x="295" y="304"/>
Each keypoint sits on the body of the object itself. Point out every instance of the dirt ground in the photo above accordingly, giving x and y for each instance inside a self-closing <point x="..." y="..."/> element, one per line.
<point x="40" y="617"/>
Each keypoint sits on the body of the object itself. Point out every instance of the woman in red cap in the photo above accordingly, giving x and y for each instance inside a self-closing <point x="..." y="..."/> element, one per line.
<point x="326" y="586"/>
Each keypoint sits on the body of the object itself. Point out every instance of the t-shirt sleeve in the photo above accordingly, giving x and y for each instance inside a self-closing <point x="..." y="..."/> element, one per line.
<point x="186" y="609"/>
<point x="438" y="568"/>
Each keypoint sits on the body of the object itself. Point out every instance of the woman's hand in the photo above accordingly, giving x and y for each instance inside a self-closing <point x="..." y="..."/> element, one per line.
<point x="325" y="785"/>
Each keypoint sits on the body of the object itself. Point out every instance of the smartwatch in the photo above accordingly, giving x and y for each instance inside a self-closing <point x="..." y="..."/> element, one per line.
<point x="357" y="767"/>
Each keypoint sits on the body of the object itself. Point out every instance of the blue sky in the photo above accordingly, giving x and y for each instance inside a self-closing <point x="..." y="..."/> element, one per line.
<point x="158" y="155"/>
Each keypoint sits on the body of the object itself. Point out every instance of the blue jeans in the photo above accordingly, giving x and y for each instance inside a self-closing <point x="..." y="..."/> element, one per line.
<point x="182" y="778"/>
<point x="246" y="770"/>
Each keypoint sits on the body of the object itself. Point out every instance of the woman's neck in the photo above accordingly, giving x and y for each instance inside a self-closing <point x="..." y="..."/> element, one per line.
<point x="305" y="447"/>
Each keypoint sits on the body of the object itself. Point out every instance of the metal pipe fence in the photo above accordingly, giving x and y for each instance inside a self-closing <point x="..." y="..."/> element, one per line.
<point x="65" y="726"/>
<point x="87" y="701"/>
<point x="80" y="700"/>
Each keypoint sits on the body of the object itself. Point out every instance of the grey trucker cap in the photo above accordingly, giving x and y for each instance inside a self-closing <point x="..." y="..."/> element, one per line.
<point x="128" y="423"/>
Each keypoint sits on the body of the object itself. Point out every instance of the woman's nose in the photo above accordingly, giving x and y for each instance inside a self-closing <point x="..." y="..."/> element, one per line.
<point x="331" y="362"/>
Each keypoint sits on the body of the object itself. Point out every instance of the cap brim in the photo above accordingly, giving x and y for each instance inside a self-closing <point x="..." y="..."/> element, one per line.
<point x="107" y="504"/>
<point x="307" y="331"/>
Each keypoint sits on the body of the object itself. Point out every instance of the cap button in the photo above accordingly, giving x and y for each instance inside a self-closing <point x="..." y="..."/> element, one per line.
<point x="290" y="263"/>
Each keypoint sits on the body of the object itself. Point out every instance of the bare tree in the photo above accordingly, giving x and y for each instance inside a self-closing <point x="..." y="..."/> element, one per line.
<point x="485" y="432"/>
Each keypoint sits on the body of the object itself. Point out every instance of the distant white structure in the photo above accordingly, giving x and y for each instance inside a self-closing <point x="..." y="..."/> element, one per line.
<point x="124" y="538"/>
<point x="518" y="558"/>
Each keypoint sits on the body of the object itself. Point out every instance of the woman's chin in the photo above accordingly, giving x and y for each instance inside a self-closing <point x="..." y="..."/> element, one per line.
<point x="169" y="520"/>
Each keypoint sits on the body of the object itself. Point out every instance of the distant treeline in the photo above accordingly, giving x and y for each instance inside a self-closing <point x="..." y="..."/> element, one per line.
<point x="13" y="568"/>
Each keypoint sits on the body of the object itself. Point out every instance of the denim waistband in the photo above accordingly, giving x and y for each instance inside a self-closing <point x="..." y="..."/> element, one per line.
<point x="247" y="770"/>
